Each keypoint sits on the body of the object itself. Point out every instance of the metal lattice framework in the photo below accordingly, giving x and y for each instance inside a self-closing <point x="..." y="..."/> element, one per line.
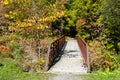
<point x="84" y="48"/>
<point x="54" y="52"/>
<point x="55" y="48"/>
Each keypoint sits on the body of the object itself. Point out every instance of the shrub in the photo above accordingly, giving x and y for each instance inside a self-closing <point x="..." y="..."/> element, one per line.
<point x="101" y="58"/>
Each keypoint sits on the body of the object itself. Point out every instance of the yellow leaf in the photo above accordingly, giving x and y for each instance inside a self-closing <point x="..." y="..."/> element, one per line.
<point x="118" y="43"/>
<point x="46" y="26"/>
<point x="6" y="2"/>
<point x="29" y="24"/>
<point x="38" y="27"/>
<point x="6" y="15"/>
<point x="10" y="28"/>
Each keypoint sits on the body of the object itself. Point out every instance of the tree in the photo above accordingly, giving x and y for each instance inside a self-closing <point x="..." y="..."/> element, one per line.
<point x="24" y="13"/>
<point x="87" y="10"/>
<point x="111" y="20"/>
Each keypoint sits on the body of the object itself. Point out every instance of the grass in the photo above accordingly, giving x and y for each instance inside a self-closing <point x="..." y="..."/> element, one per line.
<point x="115" y="75"/>
<point x="10" y="71"/>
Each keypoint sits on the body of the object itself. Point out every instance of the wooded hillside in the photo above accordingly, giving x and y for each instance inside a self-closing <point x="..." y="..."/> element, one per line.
<point x="27" y="27"/>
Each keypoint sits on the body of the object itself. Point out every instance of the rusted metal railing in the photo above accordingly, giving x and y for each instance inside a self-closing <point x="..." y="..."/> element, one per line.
<point x="84" y="49"/>
<point x="54" y="51"/>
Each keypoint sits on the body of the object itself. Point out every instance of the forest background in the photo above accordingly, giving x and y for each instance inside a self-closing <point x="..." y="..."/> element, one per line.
<point x="27" y="27"/>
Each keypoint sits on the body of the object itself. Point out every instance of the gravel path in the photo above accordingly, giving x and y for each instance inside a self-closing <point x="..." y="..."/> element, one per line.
<point x="70" y="62"/>
<point x="65" y="77"/>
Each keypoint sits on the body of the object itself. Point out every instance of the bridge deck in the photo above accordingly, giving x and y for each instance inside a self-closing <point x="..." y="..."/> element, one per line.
<point x="71" y="60"/>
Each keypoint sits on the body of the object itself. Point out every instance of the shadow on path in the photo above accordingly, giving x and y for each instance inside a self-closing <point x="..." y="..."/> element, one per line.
<point x="60" y="54"/>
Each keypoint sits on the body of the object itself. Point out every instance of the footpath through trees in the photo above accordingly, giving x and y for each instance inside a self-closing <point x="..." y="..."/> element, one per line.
<point x="71" y="61"/>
